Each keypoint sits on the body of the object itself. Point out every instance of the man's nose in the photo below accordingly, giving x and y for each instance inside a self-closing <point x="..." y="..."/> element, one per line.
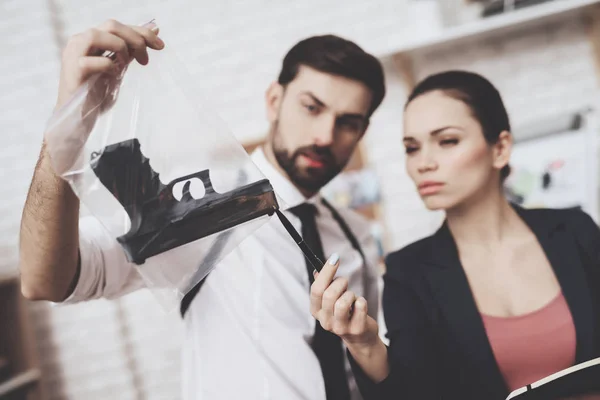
<point x="324" y="132"/>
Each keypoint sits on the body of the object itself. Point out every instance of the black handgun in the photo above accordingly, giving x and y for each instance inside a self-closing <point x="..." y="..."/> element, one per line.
<point x="160" y="222"/>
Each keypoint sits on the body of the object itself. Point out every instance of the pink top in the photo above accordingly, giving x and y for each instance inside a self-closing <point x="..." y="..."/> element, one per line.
<point x="532" y="346"/>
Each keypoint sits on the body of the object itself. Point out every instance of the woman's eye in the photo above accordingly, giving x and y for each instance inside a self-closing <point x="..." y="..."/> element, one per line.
<point x="410" y="150"/>
<point x="448" y="142"/>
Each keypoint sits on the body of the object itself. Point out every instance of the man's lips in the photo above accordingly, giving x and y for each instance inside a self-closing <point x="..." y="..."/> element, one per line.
<point x="313" y="162"/>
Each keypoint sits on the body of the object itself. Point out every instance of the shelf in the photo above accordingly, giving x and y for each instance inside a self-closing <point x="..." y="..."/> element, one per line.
<point x="6" y="278"/>
<point x="19" y="381"/>
<point x="3" y="364"/>
<point x="492" y="26"/>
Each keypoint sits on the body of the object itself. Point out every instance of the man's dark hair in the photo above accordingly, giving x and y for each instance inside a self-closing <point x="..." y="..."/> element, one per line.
<point x="337" y="56"/>
<point x="479" y="94"/>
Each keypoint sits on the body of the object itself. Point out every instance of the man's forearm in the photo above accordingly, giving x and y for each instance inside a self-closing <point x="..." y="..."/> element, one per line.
<point x="49" y="235"/>
<point x="372" y="359"/>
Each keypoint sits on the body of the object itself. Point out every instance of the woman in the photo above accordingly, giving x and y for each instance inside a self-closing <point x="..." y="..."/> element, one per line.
<point x="499" y="296"/>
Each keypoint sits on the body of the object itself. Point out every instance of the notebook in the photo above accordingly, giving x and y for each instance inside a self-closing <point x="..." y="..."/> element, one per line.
<point x="579" y="382"/>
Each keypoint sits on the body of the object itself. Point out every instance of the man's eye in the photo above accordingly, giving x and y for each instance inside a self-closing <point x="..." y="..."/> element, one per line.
<point x="311" y="108"/>
<point x="352" y="125"/>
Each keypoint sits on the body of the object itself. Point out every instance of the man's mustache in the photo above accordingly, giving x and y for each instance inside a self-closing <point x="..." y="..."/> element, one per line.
<point x="320" y="153"/>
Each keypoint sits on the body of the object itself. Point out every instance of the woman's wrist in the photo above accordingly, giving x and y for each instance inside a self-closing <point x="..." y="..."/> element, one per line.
<point x="371" y="357"/>
<point x="365" y="348"/>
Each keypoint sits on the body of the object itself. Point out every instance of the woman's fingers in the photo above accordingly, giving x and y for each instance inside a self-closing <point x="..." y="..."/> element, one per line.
<point x="332" y="294"/>
<point x="321" y="283"/>
<point x="358" y="321"/>
<point x="342" y="309"/>
<point x="337" y="309"/>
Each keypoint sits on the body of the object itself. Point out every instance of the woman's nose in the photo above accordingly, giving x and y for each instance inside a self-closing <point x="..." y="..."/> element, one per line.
<point x="427" y="163"/>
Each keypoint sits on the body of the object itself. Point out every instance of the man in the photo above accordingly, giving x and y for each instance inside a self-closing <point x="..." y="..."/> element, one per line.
<point x="249" y="332"/>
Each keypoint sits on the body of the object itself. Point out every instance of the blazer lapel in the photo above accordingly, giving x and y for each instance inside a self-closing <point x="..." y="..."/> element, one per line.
<point x="563" y="253"/>
<point x="451" y="289"/>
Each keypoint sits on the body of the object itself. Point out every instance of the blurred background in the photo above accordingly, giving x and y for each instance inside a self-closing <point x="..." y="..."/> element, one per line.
<point x="544" y="56"/>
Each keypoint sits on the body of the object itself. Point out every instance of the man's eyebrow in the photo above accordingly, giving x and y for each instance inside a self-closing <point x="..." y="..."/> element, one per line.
<point x="314" y="98"/>
<point x="320" y="103"/>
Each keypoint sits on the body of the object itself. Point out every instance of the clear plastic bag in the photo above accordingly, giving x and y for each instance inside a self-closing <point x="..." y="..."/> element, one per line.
<point x="160" y="171"/>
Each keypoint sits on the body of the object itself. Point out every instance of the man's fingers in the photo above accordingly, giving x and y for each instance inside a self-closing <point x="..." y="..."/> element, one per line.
<point x="321" y="283"/>
<point x="93" y="65"/>
<point x="96" y="41"/>
<point x="150" y="35"/>
<point x="112" y="36"/>
<point x="136" y="43"/>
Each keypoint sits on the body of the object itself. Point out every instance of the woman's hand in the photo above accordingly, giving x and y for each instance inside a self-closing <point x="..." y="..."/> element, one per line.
<point x="340" y="311"/>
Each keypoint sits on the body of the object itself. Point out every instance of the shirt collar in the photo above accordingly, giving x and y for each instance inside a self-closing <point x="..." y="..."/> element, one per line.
<point x="284" y="188"/>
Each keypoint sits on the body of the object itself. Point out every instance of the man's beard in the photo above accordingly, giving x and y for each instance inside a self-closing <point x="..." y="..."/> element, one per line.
<point x="307" y="179"/>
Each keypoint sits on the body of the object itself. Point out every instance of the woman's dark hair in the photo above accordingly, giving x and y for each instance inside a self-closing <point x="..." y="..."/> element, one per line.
<point x="337" y="56"/>
<point x="478" y="94"/>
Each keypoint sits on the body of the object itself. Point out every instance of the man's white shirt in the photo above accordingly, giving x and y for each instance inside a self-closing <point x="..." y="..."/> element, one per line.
<point x="249" y="328"/>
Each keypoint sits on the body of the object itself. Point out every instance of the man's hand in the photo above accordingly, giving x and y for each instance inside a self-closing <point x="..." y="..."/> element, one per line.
<point x="49" y="236"/>
<point x="82" y="56"/>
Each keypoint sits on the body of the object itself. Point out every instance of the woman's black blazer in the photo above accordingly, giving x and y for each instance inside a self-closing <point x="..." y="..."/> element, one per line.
<point x="438" y="345"/>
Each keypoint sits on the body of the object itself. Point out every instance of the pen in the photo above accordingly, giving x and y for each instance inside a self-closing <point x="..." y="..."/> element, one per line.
<point x="308" y="253"/>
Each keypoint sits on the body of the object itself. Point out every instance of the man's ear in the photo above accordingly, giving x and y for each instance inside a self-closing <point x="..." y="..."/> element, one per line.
<point x="273" y="98"/>
<point x="503" y="149"/>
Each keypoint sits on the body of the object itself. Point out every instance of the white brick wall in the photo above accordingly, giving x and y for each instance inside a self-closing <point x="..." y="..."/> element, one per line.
<point x="27" y="85"/>
<point x="540" y="73"/>
<point x="233" y="49"/>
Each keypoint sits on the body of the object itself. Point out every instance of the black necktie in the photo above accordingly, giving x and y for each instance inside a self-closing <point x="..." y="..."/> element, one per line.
<point x="326" y="345"/>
